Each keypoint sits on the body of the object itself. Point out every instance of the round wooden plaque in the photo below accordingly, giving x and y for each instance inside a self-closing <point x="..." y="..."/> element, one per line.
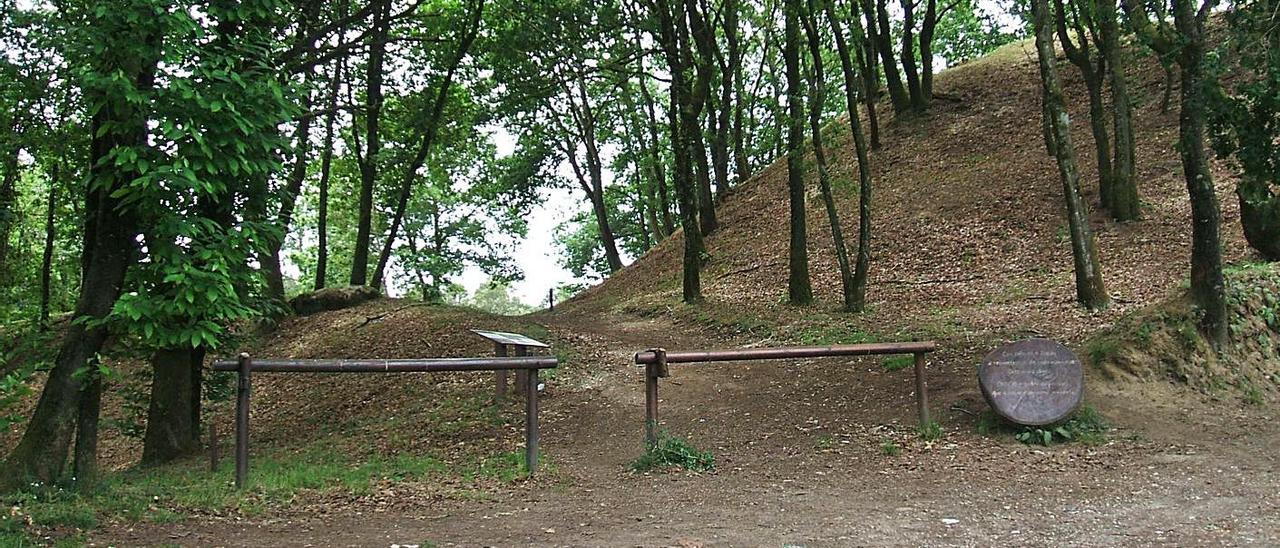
<point x="1032" y="382"/>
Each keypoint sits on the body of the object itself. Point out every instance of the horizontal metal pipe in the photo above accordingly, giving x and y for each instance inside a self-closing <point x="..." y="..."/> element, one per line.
<point x="785" y="352"/>
<point x="392" y="366"/>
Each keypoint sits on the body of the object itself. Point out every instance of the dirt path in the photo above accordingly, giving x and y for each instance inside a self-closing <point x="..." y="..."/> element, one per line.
<point x="799" y="462"/>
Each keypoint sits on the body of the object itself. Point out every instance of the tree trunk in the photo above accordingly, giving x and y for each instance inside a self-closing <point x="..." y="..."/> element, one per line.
<point x="1124" y="204"/>
<point x="908" y="55"/>
<point x="742" y="166"/>
<point x="108" y="249"/>
<point x="271" y="268"/>
<point x="898" y="95"/>
<point x="369" y="160"/>
<point x="1090" y="291"/>
<point x="173" y="429"/>
<point x="684" y="120"/>
<point x="437" y="112"/>
<point x="856" y="299"/>
<point x="655" y="159"/>
<point x="817" y="100"/>
<point x="85" y="458"/>
<point x="8" y="204"/>
<point x="927" y="28"/>
<point x="50" y="236"/>
<point x="1093" y="71"/>
<point x="1208" y="288"/>
<point x="326" y="164"/>
<point x="799" y="290"/>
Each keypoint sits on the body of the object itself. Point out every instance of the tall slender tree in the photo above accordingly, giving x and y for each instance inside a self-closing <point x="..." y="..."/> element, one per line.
<point x="856" y="296"/>
<point x="1090" y="291"/>
<point x="1208" y="286"/>
<point x="369" y="159"/>
<point x="817" y="101"/>
<point x="799" y="288"/>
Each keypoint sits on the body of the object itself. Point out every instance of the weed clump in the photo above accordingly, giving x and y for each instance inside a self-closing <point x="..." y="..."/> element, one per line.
<point x="672" y="451"/>
<point x="931" y="431"/>
<point x="890" y="448"/>
<point x="1085" y="426"/>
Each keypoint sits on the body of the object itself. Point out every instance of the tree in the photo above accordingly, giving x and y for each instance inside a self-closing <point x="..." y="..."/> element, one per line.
<point x="1085" y="52"/>
<point x="1245" y="121"/>
<point x="856" y="293"/>
<point x="1090" y="291"/>
<point x="817" y="100"/>
<point x="1122" y="200"/>
<point x="673" y="35"/>
<point x="118" y="47"/>
<point x="369" y="159"/>
<point x="466" y="37"/>
<point x="799" y="290"/>
<point x="1208" y="287"/>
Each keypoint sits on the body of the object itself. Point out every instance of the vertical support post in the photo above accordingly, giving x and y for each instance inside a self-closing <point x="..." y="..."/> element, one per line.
<point x="242" y="420"/>
<point x="652" y="372"/>
<point x="531" y="425"/>
<point x="500" y="376"/>
<point x="551" y="300"/>
<point x="522" y="375"/>
<point x="213" y="446"/>
<point x="922" y="394"/>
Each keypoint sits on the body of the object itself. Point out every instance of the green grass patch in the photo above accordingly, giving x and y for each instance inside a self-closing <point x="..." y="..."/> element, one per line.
<point x="673" y="452"/>
<point x="890" y="448"/>
<point x="168" y="493"/>
<point x="897" y="363"/>
<point x="1102" y="349"/>
<point x="831" y="334"/>
<point x="1085" y="426"/>
<point x="931" y="431"/>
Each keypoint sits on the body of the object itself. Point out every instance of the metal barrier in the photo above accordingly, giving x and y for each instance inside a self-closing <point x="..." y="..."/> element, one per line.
<point x="656" y="363"/>
<point x="245" y="366"/>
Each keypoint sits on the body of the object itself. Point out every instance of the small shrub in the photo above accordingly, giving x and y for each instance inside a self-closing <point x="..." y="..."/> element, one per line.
<point x="1086" y="426"/>
<point x="930" y="431"/>
<point x="890" y="448"/>
<point x="1102" y="349"/>
<point x="824" y="443"/>
<point x="897" y="363"/>
<point x="672" y="451"/>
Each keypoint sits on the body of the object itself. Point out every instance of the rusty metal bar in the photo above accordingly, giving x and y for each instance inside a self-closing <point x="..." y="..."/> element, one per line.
<point x="531" y="426"/>
<point x="652" y="372"/>
<point x="500" y="376"/>
<point x="393" y="366"/>
<point x="922" y="395"/>
<point x="245" y="366"/>
<point x="791" y="352"/>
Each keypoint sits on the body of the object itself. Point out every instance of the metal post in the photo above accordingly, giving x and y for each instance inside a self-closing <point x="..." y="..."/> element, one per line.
<point x="213" y="446"/>
<point x="500" y="377"/>
<point x="522" y="375"/>
<point x="922" y="395"/>
<point x="242" y="421"/>
<point x="531" y="427"/>
<point x="652" y="372"/>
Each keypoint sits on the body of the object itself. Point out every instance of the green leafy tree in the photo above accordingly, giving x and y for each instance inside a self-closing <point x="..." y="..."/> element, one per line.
<point x="1245" y="119"/>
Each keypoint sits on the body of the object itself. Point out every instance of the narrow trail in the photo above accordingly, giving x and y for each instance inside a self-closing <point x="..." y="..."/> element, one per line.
<point x="799" y="462"/>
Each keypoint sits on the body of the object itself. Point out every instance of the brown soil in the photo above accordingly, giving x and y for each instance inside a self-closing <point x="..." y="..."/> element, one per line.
<point x="967" y="251"/>
<point x="799" y="462"/>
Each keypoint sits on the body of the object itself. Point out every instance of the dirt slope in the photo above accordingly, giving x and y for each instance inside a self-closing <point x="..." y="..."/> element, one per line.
<point x="970" y="234"/>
